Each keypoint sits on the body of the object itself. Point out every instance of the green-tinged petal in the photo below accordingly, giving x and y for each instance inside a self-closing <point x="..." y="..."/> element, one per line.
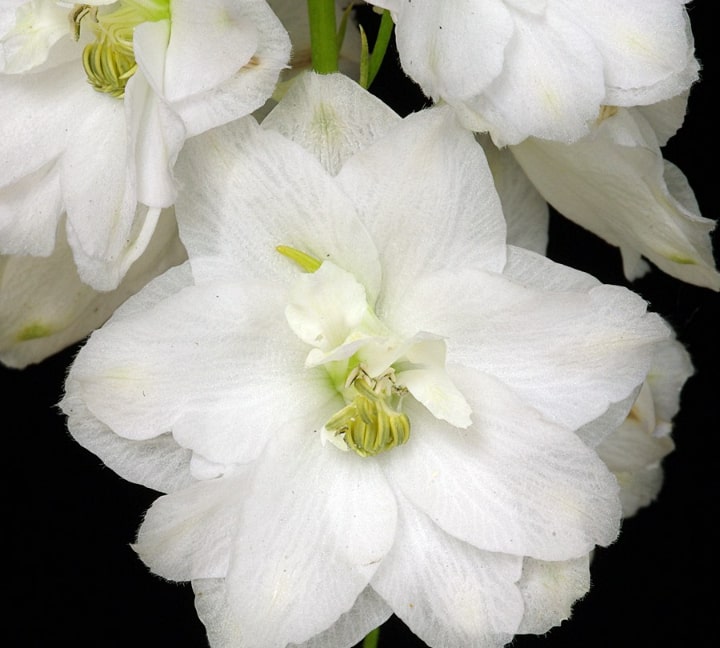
<point x="46" y="307"/>
<point x="614" y="184"/>
<point x="332" y="118"/>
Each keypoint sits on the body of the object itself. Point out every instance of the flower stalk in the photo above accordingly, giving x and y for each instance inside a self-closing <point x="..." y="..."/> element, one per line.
<point x="323" y="36"/>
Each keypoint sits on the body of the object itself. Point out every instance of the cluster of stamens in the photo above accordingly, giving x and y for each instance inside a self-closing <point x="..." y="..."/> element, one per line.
<point x="371" y="423"/>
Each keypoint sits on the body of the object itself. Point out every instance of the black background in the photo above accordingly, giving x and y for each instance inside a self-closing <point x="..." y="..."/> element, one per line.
<point x="75" y="581"/>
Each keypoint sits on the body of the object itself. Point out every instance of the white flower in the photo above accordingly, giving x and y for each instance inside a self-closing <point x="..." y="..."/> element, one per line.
<point x="615" y="183"/>
<point x="92" y="128"/>
<point x="634" y="451"/>
<point x="45" y="306"/>
<point x="451" y="369"/>
<point x="543" y="68"/>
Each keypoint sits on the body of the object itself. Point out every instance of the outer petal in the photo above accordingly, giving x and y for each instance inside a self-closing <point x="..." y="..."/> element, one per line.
<point x="448" y="592"/>
<point x="526" y="212"/>
<point x="551" y="85"/>
<point x="216" y="382"/>
<point x="234" y="174"/>
<point x="650" y="209"/>
<point x="568" y="354"/>
<point x="330" y="116"/>
<point x="549" y="590"/>
<point x="250" y="47"/>
<point x="394" y="183"/>
<point x="511" y="483"/>
<point x="45" y="307"/>
<point x="306" y="528"/>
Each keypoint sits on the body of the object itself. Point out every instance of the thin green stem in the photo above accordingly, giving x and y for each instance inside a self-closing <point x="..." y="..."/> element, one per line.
<point x="381" y="44"/>
<point x="323" y="36"/>
<point x="371" y="641"/>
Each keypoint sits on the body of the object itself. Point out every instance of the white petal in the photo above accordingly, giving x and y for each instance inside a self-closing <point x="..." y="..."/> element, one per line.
<point x="549" y="590"/>
<point x="187" y="535"/>
<point x="452" y="49"/>
<point x="239" y="83"/>
<point x="426" y="187"/>
<point x="29" y="212"/>
<point x="526" y="212"/>
<point x="368" y="612"/>
<point x="318" y="521"/>
<point x="225" y="379"/>
<point x="248" y="190"/>
<point x="551" y="85"/>
<point x="448" y="592"/>
<point x="568" y="354"/>
<point x="511" y="483"/>
<point x="330" y="116"/>
<point x="650" y="208"/>
<point x="46" y="307"/>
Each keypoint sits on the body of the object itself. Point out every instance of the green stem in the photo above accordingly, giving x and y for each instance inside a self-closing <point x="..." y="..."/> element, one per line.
<point x="323" y="36"/>
<point x="381" y="44"/>
<point x="371" y="641"/>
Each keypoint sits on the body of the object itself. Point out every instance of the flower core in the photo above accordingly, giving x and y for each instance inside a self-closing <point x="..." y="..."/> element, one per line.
<point x="371" y="367"/>
<point x="110" y="61"/>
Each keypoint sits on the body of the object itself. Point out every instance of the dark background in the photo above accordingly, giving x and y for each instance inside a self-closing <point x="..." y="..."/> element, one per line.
<point x="75" y="581"/>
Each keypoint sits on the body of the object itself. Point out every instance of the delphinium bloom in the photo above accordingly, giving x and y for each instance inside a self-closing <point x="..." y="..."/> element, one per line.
<point x="355" y="388"/>
<point x="543" y="68"/>
<point x="97" y="100"/>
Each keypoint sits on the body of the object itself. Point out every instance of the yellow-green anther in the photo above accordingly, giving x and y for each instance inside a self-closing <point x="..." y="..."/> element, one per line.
<point x="372" y="422"/>
<point x="109" y="62"/>
<point x="305" y="261"/>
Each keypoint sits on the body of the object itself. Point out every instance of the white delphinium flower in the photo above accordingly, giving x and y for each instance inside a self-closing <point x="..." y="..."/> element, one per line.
<point x="355" y="388"/>
<point x="615" y="183"/>
<point x="45" y="307"/>
<point x="635" y="450"/>
<point x="543" y="68"/>
<point x="97" y="100"/>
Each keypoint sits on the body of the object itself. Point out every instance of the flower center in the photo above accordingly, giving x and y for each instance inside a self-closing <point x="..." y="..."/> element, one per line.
<point x="110" y="61"/>
<point x="372" y="421"/>
<point x="369" y="365"/>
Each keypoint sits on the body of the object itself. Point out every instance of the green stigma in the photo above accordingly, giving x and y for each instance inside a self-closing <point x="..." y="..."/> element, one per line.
<point x="372" y="422"/>
<point x="109" y="62"/>
<point x="305" y="261"/>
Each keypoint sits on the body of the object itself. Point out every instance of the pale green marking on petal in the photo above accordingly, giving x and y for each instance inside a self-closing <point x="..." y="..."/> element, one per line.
<point x="682" y="260"/>
<point x="33" y="332"/>
<point x="305" y="261"/>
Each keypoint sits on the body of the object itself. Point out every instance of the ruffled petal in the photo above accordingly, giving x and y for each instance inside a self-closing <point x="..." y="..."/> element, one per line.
<point x="568" y="354"/>
<point x="248" y="190"/>
<point x="448" y="592"/>
<point x="512" y="483"/>
<point x="651" y="208"/>
<point x="317" y="521"/>
<point x="549" y="590"/>
<point x="394" y="184"/>
<point x="218" y="381"/>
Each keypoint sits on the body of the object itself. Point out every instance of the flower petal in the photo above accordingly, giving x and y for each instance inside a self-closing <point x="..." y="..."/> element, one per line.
<point x="330" y="116"/>
<point x="519" y="484"/>
<point x="448" y="592"/>
<point x="549" y="590"/>
<point x="237" y="172"/>
<point x="318" y="521"/>
<point x="394" y="183"/>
